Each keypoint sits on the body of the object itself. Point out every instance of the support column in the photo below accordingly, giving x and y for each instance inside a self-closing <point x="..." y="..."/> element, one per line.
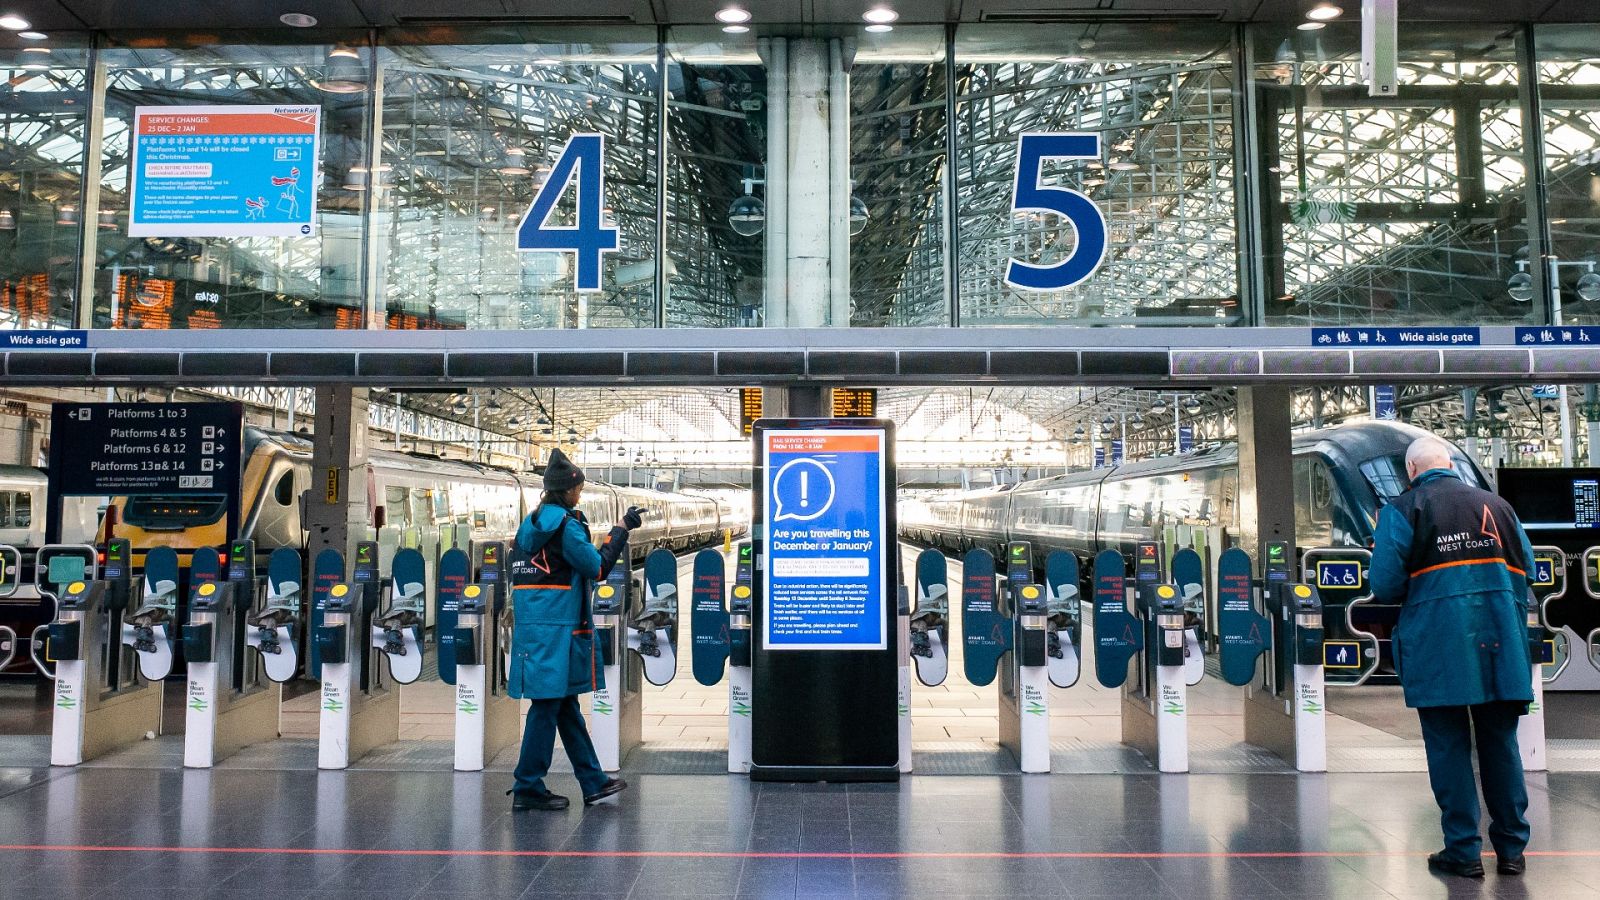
<point x="805" y="402"/>
<point x="1469" y="423"/>
<point x="336" y="506"/>
<point x="809" y="151"/>
<point x="1266" y="469"/>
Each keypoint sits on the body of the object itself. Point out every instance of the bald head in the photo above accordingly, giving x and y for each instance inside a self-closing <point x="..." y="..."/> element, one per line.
<point x="1427" y="453"/>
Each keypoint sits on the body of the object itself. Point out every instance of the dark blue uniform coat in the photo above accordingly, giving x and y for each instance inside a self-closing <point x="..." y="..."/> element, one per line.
<point x="1458" y="561"/>
<point x="553" y="568"/>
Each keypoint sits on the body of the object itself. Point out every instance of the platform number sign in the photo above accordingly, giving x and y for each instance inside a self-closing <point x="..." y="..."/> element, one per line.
<point x="1029" y="195"/>
<point x="583" y="159"/>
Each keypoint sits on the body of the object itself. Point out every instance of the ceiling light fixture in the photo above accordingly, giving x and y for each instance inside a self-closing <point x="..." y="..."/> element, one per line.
<point x="733" y="15"/>
<point x="298" y="20"/>
<point x="515" y="162"/>
<point x="32" y="35"/>
<point x="880" y="15"/>
<point x="344" y="51"/>
<point x="1324" y="11"/>
<point x="35" y="49"/>
<point x="1312" y="26"/>
<point x="735" y="29"/>
<point x="1072" y="60"/>
<point x="879" y="28"/>
<point x="14" y="22"/>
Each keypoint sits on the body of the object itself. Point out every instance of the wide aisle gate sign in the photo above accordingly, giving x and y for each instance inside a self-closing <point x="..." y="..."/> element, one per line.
<point x="224" y="171"/>
<point x="823" y="513"/>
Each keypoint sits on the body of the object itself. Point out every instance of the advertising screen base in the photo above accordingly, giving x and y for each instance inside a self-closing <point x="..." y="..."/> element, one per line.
<point x="825" y="668"/>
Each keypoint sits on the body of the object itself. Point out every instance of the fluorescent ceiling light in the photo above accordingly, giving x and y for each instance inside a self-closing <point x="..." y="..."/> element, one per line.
<point x="14" y="22"/>
<point x="735" y="29"/>
<point x="1324" y="11"/>
<point x="1312" y="26"/>
<point x="32" y="35"/>
<point x="879" y="28"/>
<point x="733" y="15"/>
<point x="880" y="15"/>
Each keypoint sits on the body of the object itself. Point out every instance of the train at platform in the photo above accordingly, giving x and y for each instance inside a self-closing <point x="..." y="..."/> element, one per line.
<point x="1342" y="476"/>
<point x="412" y="500"/>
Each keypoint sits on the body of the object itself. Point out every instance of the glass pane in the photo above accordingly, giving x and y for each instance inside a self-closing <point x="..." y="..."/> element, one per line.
<point x="42" y="119"/>
<point x="1160" y="98"/>
<point x="203" y="267"/>
<point x="1569" y="90"/>
<point x="1391" y="210"/>
<point x="471" y="131"/>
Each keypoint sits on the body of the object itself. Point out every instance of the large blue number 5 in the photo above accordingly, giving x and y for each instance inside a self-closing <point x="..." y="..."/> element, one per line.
<point x="589" y="240"/>
<point x="1086" y="218"/>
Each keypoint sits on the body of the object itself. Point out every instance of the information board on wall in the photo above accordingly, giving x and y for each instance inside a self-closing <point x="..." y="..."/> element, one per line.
<point x="824" y="500"/>
<point x="855" y="403"/>
<point x="224" y="171"/>
<point x="750" y="407"/>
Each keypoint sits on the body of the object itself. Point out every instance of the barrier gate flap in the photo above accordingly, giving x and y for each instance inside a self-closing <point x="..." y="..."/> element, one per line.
<point x="708" y="617"/>
<point x="654" y="633"/>
<point x="1063" y="649"/>
<point x="987" y="633"/>
<point x="1188" y="573"/>
<point x="930" y="619"/>
<point x="1241" y="629"/>
<point x="454" y="569"/>
<point x="325" y="573"/>
<point x="1117" y="635"/>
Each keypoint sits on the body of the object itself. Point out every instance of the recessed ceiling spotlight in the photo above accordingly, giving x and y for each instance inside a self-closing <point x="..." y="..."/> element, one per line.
<point x="733" y="15"/>
<point x="298" y="20"/>
<point x="1312" y="26"/>
<point x="735" y="29"/>
<point x="880" y="15"/>
<point x="1324" y="11"/>
<point x="14" y="22"/>
<point x="879" y="27"/>
<point x="32" y="35"/>
<point x="35" y="49"/>
<point x="344" y="51"/>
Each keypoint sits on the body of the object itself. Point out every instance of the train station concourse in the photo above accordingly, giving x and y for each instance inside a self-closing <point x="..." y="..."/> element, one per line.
<point x="882" y="448"/>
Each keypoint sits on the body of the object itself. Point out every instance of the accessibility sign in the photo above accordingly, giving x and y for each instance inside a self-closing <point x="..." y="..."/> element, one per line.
<point x="1341" y="655"/>
<point x="824" y="516"/>
<point x="1448" y="336"/>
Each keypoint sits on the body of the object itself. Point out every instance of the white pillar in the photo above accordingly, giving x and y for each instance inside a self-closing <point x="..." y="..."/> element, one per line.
<point x="809" y="171"/>
<point x="840" y="55"/>
<point x="775" y="282"/>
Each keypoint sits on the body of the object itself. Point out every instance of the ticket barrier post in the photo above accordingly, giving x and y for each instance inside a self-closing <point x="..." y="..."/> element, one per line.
<point x="488" y="719"/>
<point x="274" y="632"/>
<point x="1155" y="701"/>
<point x="228" y="705"/>
<point x="357" y="713"/>
<point x="1548" y="583"/>
<point x="721" y="633"/>
<point x="615" y="722"/>
<point x="1025" y="684"/>
<point x="95" y="709"/>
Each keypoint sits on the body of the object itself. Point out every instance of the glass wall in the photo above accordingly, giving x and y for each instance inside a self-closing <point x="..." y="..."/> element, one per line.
<point x="1569" y="90"/>
<point x="195" y="265"/>
<point x="1396" y="210"/>
<point x="43" y="115"/>
<point x="1160" y="100"/>
<point x="422" y="150"/>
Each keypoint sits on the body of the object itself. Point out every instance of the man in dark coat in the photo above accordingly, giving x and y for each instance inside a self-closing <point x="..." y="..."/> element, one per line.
<point x="1457" y="560"/>
<point x="554" y="565"/>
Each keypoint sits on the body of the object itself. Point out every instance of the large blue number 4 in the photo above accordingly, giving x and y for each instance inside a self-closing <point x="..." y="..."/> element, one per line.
<point x="590" y="239"/>
<point x="1086" y="218"/>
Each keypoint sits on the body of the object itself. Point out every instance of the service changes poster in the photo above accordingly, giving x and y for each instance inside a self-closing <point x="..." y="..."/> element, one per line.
<point x="823" y="514"/>
<point x="224" y="171"/>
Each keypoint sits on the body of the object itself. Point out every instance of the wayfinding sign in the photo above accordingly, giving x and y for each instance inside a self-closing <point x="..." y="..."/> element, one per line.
<point x="824" y="502"/>
<point x="181" y="452"/>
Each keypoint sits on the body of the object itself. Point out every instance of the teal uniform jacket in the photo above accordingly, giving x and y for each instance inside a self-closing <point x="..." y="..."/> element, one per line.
<point x="554" y="566"/>
<point x="1457" y="560"/>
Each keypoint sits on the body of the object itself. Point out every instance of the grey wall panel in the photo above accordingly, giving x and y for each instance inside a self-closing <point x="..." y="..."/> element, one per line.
<point x="1212" y="363"/>
<point x="225" y="366"/>
<point x="1121" y="363"/>
<point x="1485" y="361"/>
<point x="1305" y="362"/>
<point x="402" y="365"/>
<point x="1396" y="362"/>
<point x="1035" y="363"/>
<point x="1567" y="361"/>
<point x="490" y="365"/>
<point x="137" y="365"/>
<point x="850" y="363"/>
<point x="570" y="365"/>
<point x="673" y="363"/>
<point x="49" y="363"/>
<point x="775" y="363"/>
<point x="953" y="362"/>
<point x="315" y="366"/>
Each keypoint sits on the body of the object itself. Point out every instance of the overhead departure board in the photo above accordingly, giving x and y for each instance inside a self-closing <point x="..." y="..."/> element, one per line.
<point x="855" y="403"/>
<point x="749" y="408"/>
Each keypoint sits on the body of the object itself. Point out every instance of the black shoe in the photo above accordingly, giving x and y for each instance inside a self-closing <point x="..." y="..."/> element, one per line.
<point x="1461" y="868"/>
<point x="522" y="801"/>
<point x="611" y="788"/>
<point x="1511" y="865"/>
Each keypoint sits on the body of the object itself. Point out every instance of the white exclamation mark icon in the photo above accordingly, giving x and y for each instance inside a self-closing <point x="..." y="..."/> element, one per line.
<point x="805" y="488"/>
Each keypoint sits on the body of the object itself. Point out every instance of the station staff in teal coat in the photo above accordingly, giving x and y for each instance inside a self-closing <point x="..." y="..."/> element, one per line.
<point x="1457" y="560"/>
<point x="554" y="565"/>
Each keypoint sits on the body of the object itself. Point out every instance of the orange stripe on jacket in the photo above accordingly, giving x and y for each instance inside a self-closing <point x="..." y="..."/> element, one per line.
<point x="1469" y="562"/>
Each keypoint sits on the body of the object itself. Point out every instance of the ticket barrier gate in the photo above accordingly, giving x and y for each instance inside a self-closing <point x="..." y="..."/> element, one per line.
<point x="924" y="638"/>
<point x="397" y="630"/>
<point x="357" y="713"/>
<point x="1155" y="697"/>
<point x="720" y="624"/>
<point x="1583" y="636"/>
<point x="10" y="571"/>
<point x="229" y="706"/>
<point x="488" y="720"/>
<point x="274" y="631"/>
<point x="1549" y="651"/>
<point x="100" y="704"/>
<point x="152" y="629"/>
<point x="635" y="637"/>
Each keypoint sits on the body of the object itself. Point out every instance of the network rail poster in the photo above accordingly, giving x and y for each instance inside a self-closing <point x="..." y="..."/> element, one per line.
<point x="824" y="516"/>
<point x="224" y="171"/>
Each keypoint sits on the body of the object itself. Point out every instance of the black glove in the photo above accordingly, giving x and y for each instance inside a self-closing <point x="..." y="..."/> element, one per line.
<point x="633" y="518"/>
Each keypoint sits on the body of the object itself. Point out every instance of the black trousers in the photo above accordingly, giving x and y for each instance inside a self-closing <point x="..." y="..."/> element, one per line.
<point x="1448" y="735"/>
<point x="546" y="719"/>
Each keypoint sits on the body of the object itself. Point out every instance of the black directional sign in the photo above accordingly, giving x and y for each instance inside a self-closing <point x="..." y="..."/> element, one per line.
<point x="180" y="451"/>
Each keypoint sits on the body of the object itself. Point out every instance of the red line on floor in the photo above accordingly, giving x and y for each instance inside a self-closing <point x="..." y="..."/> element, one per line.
<point x="757" y="854"/>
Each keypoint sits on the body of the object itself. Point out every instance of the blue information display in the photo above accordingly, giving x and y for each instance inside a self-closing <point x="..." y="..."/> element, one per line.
<point x="823" y="515"/>
<point x="44" y="340"/>
<point x="1426" y="336"/>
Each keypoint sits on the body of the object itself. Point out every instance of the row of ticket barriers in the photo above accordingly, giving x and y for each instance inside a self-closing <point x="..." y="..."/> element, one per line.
<point x="361" y="635"/>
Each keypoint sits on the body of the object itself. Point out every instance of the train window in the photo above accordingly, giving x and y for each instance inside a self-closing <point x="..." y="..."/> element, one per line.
<point x="22" y="509"/>
<point x="421" y="507"/>
<point x="5" y="509"/>
<point x="399" y="512"/>
<point x="283" y="491"/>
<point x="479" y="520"/>
<point x="1387" y="475"/>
